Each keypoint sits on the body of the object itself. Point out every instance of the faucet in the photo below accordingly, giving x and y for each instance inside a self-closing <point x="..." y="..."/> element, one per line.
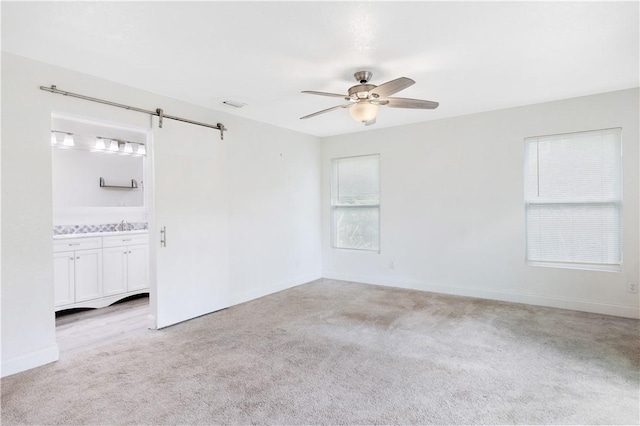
<point x="124" y="225"/>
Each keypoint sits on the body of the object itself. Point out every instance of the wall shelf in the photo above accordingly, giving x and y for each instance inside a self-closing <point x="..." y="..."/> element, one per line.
<point x="134" y="185"/>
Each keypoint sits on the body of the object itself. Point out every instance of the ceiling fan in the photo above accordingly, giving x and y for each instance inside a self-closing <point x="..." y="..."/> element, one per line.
<point x="365" y="99"/>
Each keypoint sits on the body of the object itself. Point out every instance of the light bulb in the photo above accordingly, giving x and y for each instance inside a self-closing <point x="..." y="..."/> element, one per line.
<point x="128" y="149"/>
<point x="113" y="146"/>
<point x="141" y="150"/>
<point x="54" y="139"/>
<point x="363" y="111"/>
<point x="68" y="140"/>
<point x="100" y="143"/>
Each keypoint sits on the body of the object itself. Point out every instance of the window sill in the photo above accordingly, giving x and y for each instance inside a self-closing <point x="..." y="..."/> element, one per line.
<point x="581" y="266"/>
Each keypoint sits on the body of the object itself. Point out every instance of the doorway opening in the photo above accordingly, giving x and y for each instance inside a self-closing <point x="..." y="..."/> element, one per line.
<point x="101" y="208"/>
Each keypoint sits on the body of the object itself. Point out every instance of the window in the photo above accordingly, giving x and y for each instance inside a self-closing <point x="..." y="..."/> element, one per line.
<point x="573" y="200"/>
<point x="355" y="203"/>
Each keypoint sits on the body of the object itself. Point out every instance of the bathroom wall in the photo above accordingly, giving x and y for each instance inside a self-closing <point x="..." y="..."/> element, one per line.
<point x="76" y="176"/>
<point x="78" y="198"/>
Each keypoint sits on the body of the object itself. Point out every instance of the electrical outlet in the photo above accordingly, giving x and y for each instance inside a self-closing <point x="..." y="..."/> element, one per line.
<point x="392" y="265"/>
<point x="632" y="287"/>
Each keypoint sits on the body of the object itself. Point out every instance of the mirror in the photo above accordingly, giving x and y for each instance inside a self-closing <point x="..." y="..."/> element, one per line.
<point x="78" y="169"/>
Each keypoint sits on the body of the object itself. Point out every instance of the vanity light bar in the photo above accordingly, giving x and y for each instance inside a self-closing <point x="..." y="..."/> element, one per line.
<point x="102" y="144"/>
<point x="68" y="138"/>
<point x="113" y="145"/>
<point x="119" y="141"/>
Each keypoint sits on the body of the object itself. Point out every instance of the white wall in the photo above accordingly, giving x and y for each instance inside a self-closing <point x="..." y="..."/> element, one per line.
<point x="28" y="333"/>
<point x="273" y="211"/>
<point x="452" y="212"/>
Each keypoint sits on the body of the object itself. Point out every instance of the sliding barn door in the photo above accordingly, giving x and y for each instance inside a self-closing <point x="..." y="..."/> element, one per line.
<point x="190" y="194"/>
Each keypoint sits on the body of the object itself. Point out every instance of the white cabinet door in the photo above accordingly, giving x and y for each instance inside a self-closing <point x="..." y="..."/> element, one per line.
<point x="88" y="274"/>
<point x="137" y="267"/>
<point x="114" y="266"/>
<point x="63" y="278"/>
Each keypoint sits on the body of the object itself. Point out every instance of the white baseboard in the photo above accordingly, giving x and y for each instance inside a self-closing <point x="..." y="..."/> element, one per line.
<point x="505" y="296"/>
<point x="30" y="360"/>
<point x="251" y="295"/>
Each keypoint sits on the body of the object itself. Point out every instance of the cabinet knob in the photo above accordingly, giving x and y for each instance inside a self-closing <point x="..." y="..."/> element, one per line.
<point x="129" y="251"/>
<point x="78" y="257"/>
<point x="71" y="258"/>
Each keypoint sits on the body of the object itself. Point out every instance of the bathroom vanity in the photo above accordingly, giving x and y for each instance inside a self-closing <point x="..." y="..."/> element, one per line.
<point x="94" y="270"/>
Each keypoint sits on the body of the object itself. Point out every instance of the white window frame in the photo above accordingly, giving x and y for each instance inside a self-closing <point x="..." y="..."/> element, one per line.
<point x="335" y="205"/>
<point x="613" y="267"/>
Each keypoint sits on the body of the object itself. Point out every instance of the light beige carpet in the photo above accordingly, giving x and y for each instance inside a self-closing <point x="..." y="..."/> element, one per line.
<point x="345" y="353"/>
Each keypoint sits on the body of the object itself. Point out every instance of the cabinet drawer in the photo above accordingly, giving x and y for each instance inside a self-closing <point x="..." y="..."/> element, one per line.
<point x="125" y="240"/>
<point x="76" y="244"/>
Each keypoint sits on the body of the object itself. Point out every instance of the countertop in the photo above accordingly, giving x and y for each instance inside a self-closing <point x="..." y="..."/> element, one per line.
<point x="100" y="234"/>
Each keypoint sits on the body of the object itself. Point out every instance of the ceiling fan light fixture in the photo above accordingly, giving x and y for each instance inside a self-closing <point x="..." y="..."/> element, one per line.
<point x="364" y="111"/>
<point x="365" y="98"/>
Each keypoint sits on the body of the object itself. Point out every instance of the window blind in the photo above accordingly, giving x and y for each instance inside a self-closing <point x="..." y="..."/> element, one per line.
<point x="355" y="198"/>
<point x="573" y="198"/>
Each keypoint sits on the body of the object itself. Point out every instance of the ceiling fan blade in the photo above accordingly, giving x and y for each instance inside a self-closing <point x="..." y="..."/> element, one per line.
<point x="370" y="122"/>
<point x="391" y="87"/>
<point x="411" y="103"/>
<point x="326" y="110"/>
<point x="333" y="95"/>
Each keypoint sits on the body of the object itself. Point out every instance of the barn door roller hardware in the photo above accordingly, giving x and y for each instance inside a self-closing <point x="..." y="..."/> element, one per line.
<point x="158" y="112"/>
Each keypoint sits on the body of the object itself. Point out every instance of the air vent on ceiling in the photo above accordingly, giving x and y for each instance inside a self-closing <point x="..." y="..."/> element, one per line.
<point x="234" y="104"/>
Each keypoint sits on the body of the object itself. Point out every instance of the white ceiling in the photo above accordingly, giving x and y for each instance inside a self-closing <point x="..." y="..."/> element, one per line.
<point x="470" y="56"/>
